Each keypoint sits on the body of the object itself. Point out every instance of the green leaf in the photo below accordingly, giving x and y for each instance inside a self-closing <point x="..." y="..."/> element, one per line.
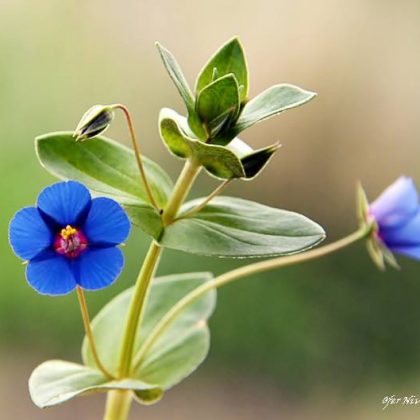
<point x="196" y="126"/>
<point x="181" y="84"/>
<point x="271" y="102"/>
<point x="144" y="216"/>
<point x="103" y="165"/>
<point x="217" y="160"/>
<point x="182" y="347"/>
<point x="235" y="228"/>
<point x="228" y="59"/>
<point x="57" y="381"/>
<point x="107" y="168"/>
<point x="218" y="103"/>
<point x="176" y="75"/>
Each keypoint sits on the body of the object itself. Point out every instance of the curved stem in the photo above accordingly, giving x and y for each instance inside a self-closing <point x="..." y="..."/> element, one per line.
<point x="137" y="153"/>
<point x="89" y="333"/>
<point x="207" y="200"/>
<point x="237" y="274"/>
<point x="135" y="310"/>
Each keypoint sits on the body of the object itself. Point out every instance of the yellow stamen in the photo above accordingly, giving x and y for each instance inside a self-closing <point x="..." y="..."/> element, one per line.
<point x="67" y="232"/>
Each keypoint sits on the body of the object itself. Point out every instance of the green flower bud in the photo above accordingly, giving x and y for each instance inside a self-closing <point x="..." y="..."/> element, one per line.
<point x="253" y="161"/>
<point x="94" y="122"/>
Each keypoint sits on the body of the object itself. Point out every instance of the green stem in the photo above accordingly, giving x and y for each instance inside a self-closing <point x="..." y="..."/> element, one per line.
<point x="181" y="189"/>
<point x="180" y="192"/>
<point x="134" y="312"/>
<point x="238" y="273"/>
<point x="117" y="405"/>
<point x="89" y="333"/>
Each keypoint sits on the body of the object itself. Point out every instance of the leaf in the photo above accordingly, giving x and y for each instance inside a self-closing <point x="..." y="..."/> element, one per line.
<point x="218" y="102"/>
<point x="271" y="102"/>
<point x="228" y="59"/>
<point x="144" y="216"/>
<point x="176" y="75"/>
<point x="235" y="228"/>
<point x="196" y="126"/>
<point x="181" y="348"/>
<point x="57" y="381"/>
<point x="217" y="160"/>
<point x="181" y="84"/>
<point x="107" y="168"/>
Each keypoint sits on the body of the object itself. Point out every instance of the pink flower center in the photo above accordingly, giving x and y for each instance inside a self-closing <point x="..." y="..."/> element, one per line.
<point x="70" y="242"/>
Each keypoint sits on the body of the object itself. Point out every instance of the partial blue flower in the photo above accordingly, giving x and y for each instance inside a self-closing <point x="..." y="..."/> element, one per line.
<point x="70" y="239"/>
<point x="396" y="213"/>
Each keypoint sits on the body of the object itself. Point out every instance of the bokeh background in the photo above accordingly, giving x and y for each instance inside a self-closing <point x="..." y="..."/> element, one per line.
<point x="325" y="340"/>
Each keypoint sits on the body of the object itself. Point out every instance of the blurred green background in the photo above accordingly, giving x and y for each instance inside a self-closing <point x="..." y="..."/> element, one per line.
<point x="328" y="339"/>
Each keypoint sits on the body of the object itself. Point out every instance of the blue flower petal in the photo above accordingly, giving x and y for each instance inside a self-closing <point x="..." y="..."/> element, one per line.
<point x="106" y="223"/>
<point x="28" y="233"/>
<point x="397" y="203"/>
<point x="65" y="202"/>
<point x="98" y="267"/>
<point x="407" y="234"/>
<point x="408" y="251"/>
<point x="51" y="275"/>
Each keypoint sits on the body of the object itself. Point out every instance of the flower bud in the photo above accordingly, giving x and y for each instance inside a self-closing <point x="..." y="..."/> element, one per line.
<point x="253" y="161"/>
<point x="94" y="122"/>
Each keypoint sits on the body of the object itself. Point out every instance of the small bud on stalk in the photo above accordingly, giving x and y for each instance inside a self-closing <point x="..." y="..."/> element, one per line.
<point x="94" y="122"/>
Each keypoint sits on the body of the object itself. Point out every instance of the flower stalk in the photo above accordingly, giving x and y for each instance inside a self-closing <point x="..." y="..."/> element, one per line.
<point x="89" y="333"/>
<point x="137" y="153"/>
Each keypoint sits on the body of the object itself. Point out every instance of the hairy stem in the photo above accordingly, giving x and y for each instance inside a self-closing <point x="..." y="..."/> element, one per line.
<point x="137" y="154"/>
<point x="89" y="333"/>
<point x="236" y="274"/>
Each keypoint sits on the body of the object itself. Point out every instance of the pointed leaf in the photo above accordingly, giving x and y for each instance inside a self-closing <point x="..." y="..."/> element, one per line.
<point x="181" y="348"/>
<point x="235" y="228"/>
<point x="175" y="72"/>
<point x="57" y="381"/>
<point x="229" y="58"/>
<point x="217" y="160"/>
<point x="271" y="102"/>
<point x="220" y="99"/>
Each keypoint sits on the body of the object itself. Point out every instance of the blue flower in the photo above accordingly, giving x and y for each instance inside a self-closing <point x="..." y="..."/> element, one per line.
<point x="70" y="239"/>
<point x="396" y="213"/>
